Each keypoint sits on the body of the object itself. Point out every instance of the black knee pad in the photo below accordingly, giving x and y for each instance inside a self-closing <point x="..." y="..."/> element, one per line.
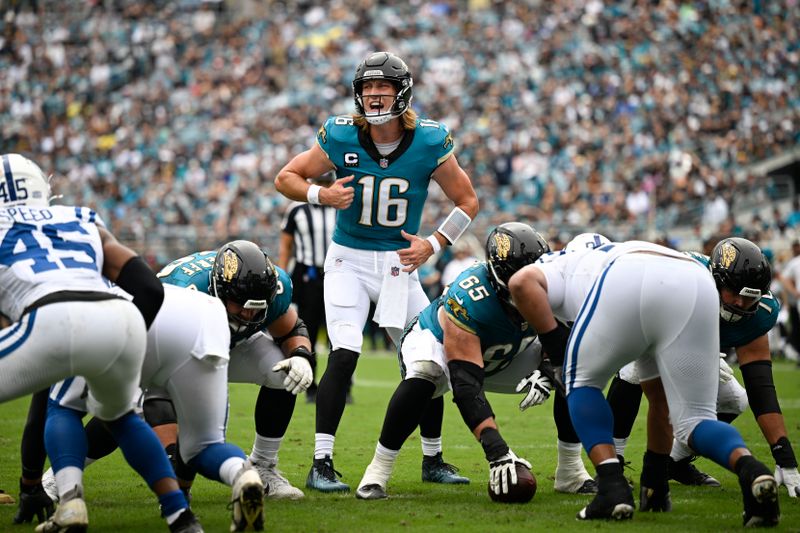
<point x="342" y="363"/>
<point x="159" y="411"/>
<point x="761" y="395"/>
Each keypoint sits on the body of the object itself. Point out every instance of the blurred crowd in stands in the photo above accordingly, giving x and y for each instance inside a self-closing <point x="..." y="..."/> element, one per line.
<point x="625" y="117"/>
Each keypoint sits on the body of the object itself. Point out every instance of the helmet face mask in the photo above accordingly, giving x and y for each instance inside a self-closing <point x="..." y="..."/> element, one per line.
<point x="389" y="67"/>
<point x="739" y="268"/>
<point x="244" y="278"/>
<point x="510" y="247"/>
<point x="23" y="183"/>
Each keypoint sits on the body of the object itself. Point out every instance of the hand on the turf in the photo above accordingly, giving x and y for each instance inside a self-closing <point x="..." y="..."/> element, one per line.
<point x="298" y="374"/>
<point x="790" y="478"/>
<point x="503" y="472"/>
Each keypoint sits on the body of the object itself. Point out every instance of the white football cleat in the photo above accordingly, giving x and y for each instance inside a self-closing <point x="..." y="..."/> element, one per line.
<point x="248" y="501"/>
<point x="70" y="517"/>
<point x="276" y="486"/>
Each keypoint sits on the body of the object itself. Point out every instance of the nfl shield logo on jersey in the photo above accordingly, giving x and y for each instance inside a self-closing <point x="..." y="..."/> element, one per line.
<point x="395" y="271"/>
<point x="383" y="162"/>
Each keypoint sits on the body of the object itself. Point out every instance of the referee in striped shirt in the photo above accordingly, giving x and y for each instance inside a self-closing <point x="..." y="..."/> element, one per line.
<point x="306" y="233"/>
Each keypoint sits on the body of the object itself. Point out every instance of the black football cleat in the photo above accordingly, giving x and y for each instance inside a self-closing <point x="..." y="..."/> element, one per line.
<point x="686" y="473"/>
<point x="759" y="494"/>
<point x="372" y="491"/>
<point x="656" y="500"/>
<point x="614" y="499"/>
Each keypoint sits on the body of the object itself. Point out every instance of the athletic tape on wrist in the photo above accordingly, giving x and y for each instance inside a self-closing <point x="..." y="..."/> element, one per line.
<point x="313" y="194"/>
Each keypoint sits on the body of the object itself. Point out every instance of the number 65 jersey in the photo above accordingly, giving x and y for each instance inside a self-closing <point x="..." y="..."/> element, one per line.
<point x="472" y="304"/>
<point x="45" y="250"/>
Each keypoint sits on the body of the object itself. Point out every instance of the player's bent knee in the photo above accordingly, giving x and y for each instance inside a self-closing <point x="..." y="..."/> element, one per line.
<point x="427" y="370"/>
<point x="344" y="335"/>
<point x="159" y="411"/>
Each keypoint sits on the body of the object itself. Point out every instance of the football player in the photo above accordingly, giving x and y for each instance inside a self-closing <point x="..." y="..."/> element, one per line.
<point x="187" y="352"/>
<point x="53" y="261"/>
<point x="387" y="157"/>
<point x="270" y="347"/>
<point x="748" y="311"/>
<point x="640" y="301"/>
<point x="470" y="339"/>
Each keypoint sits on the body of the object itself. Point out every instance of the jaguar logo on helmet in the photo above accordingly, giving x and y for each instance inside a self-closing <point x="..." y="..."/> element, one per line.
<point x="230" y="265"/>
<point x="322" y="135"/>
<point x="503" y="244"/>
<point x="727" y="255"/>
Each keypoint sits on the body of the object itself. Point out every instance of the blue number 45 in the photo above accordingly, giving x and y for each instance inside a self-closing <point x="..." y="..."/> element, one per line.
<point x="21" y="232"/>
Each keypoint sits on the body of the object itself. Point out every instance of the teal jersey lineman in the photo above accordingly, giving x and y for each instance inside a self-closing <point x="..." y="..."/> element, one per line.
<point x="194" y="271"/>
<point x="748" y="329"/>
<point x="472" y="303"/>
<point x="390" y="191"/>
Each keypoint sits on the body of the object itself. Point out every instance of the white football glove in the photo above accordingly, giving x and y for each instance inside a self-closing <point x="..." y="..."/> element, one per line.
<point x="539" y="388"/>
<point x="503" y="472"/>
<point x="790" y="478"/>
<point x="298" y="374"/>
<point x="725" y="371"/>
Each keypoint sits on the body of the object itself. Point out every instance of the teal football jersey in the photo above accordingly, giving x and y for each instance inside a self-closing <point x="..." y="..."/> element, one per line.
<point x="390" y="191"/>
<point x="748" y="329"/>
<point x="194" y="272"/>
<point x="472" y="303"/>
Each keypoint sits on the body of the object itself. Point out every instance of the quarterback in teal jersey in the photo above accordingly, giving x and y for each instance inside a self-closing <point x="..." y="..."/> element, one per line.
<point x="385" y="158"/>
<point x="473" y="338"/>
<point x="269" y="342"/>
<point x="748" y="311"/>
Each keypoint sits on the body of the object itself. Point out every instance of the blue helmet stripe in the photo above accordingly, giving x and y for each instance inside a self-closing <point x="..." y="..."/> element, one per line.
<point x="12" y="190"/>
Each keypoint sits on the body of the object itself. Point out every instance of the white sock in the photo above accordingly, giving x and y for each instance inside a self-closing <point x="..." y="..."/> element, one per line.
<point x="229" y="469"/>
<point x="680" y="451"/>
<point x="431" y="447"/>
<point x="607" y="461"/>
<point x="620" y="444"/>
<point x="323" y="445"/>
<point x="569" y="460"/>
<point x="380" y="469"/>
<point x="266" y="449"/>
<point x="67" y="478"/>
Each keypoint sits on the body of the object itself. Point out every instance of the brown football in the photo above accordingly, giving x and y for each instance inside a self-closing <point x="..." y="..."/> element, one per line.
<point x="520" y="492"/>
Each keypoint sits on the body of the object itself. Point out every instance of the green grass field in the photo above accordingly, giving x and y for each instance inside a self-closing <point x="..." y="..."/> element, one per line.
<point x="119" y="501"/>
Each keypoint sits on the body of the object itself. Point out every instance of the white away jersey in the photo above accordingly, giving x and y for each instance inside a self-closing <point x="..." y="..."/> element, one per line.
<point x="45" y="250"/>
<point x="570" y="276"/>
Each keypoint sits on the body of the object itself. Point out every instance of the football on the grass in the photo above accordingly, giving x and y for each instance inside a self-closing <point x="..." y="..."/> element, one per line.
<point x="520" y="492"/>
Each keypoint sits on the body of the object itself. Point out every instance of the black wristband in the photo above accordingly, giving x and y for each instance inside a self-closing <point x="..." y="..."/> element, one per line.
<point x="302" y="351"/>
<point x="783" y="454"/>
<point x="494" y="447"/>
<point x="554" y="343"/>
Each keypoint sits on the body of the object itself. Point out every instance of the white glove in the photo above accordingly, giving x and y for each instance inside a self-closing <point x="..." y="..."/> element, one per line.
<point x="298" y="374"/>
<point x="725" y="371"/>
<point x="790" y="478"/>
<point x="503" y="472"/>
<point x="539" y="389"/>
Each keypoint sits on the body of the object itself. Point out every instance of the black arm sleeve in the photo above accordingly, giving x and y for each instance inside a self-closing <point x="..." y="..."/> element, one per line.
<point x="139" y="281"/>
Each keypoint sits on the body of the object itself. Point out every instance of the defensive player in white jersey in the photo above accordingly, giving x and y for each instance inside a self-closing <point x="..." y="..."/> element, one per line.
<point x="640" y="301"/>
<point x="387" y="158"/>
<point x="53" y="260"/>
<point x="188" y="351"/>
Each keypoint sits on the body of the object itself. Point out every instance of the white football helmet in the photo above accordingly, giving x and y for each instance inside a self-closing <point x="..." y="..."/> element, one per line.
<point x="23" y="183"/>
<point x="586" y="241"/>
